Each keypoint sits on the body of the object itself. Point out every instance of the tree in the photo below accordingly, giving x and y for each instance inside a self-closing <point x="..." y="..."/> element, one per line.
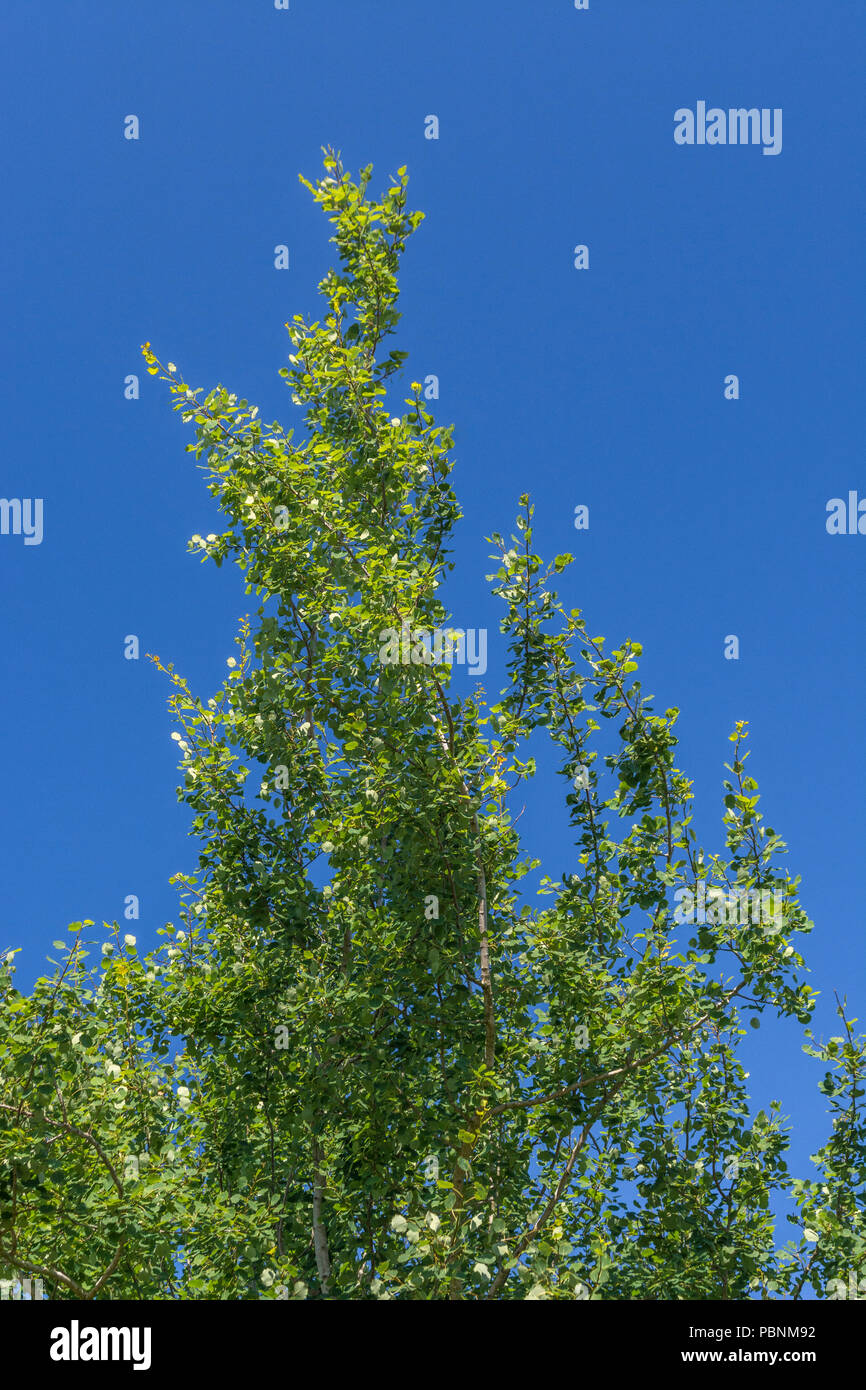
<point x="397" y="1076"/>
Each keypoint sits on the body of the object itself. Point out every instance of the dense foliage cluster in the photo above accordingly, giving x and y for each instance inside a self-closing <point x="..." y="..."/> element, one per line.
<point x="368" y="1064"/>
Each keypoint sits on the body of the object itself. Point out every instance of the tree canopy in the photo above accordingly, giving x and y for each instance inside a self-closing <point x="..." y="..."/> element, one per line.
<point x="373" y="1061"/>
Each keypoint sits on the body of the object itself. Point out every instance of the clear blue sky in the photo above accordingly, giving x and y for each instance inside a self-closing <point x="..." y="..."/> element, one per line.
<point x="604" y="387"/>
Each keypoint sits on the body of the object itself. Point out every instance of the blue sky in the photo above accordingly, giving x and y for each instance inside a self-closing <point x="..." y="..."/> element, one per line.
<point x="602" y="387"/>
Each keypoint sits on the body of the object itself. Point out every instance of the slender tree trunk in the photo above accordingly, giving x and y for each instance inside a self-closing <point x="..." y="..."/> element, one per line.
<point x="484" y="956"/>
<point x="320" y="1234"/>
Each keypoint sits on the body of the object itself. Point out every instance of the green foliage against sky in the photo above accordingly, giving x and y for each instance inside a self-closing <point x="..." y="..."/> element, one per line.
<point x="400" y="1074"/>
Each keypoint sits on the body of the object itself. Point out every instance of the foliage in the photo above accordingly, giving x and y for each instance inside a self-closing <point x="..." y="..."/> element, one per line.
<point x="397" y="1074"/>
